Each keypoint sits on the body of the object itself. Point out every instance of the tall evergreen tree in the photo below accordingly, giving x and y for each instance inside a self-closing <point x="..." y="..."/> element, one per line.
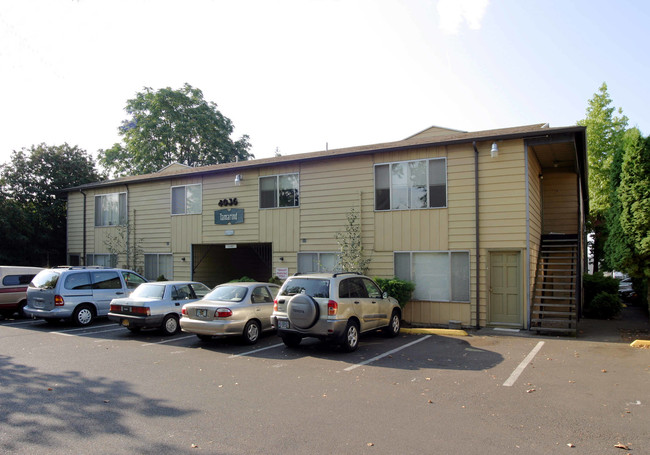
<point x="606" y="126"/>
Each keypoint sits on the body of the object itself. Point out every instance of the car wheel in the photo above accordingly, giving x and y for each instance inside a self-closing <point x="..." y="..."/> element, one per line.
<point x="204" y="337"/>
<point x="83" y="315"/>
<point x="350" y="337"/>
<point x="303" y="311"/>
<point x="170" y="325"/>
<point x="252" y="332"/>
<point x="291" y="340"/>
<point x="392" y="330"/>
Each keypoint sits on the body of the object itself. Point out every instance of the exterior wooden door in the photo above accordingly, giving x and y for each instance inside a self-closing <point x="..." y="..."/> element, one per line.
<point x="505" y="289"/>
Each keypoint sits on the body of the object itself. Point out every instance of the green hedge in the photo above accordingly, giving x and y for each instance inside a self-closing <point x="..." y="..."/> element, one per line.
<point x="398" y="289"/>
<point x="600" y="297"/>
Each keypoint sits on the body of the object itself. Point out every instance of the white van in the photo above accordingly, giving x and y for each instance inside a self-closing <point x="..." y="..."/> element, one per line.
<point x="13" y="288"/>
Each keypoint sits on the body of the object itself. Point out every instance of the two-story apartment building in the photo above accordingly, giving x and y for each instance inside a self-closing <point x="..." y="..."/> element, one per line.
<point x="489" y="225"/>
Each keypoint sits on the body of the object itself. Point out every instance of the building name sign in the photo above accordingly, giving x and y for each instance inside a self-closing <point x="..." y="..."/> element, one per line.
<point x="229" y="216"/>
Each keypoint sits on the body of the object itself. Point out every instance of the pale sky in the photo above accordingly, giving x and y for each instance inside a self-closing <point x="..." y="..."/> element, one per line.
<point x="299" y="74"/>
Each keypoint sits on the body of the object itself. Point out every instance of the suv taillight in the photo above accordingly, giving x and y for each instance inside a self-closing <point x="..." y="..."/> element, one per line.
<point x="223" y="313"/>
<point x="332" y="308"/>
<point x="58" y="300"/>
<point x="275" y="305"/>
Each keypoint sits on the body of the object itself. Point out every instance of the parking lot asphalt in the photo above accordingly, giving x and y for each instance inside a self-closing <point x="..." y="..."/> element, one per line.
<point x="103" y="389"/>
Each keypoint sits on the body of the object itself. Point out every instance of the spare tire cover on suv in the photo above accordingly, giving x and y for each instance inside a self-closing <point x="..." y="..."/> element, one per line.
<point x="303" y="311"/>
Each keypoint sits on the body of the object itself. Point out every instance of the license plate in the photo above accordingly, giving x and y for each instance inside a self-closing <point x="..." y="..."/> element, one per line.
<point x="283" y="324"/>
<point x="125" y="322"/>
<point x="126" y="309"/>
<point x="202" y="313"/>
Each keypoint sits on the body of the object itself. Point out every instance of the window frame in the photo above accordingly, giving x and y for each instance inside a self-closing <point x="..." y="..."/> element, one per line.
<point x="185" y="205"/>
<point x="277" y="189"/>
<point x="448" y="278"/>
<point x="409" y="189"/>
<point x="112" y="258"/>
<point x="155" y="276"/>
<point x="318" y="254"/>
<point x="122" y="212"/>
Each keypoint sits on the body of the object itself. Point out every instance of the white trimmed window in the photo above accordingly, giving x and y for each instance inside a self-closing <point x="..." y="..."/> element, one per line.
<point x="317" y="262"/>
<point x="110" y="209"/>
<point x="280" y="191"/>
<point x="438" y="276"/>
<point x="408" y="185"/>
<point x="103" y="260"/>
<point x="187" y="199"/>
<point x="158" y="264"/>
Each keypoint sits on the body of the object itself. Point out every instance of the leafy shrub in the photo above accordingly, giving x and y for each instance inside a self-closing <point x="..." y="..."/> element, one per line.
<point x="597" y="283"/>
<point x="161" y="278"/>
<point x="398" y="289"/>
<point x="276" y="280"/>
<point x="603" y="306"/>
<point x="243" y="279"/>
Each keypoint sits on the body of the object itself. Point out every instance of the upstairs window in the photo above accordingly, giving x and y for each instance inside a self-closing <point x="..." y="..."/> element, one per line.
<point x="280" y="191"/>
<point x="110" y="209"/>
<point x="408" y="185"/>
<point x="187" y="199"/>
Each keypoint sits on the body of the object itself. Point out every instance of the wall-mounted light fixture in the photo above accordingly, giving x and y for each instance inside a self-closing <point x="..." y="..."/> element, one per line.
<point x="238" y="179"/>
<point x="183" y="259"/>
<point x="281" y="258"/>
<point x="541" y="176"/>
<point x="494" y="152"/>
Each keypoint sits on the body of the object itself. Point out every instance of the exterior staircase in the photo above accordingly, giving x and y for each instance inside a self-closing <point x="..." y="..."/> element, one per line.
<point x="557" y="293"/>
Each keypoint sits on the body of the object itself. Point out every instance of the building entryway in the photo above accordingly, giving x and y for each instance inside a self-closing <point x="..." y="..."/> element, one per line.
<point x="219" y="263"/>
<point x="505" y="303"/>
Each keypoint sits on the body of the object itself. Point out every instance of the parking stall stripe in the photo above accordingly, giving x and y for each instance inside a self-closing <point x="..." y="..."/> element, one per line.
<point x="524" y="363"/>
<point x="89" y="331"/>
<point x="366" y="362"/>
<point x="256" y="350"/>
<point x="168" y="341"/>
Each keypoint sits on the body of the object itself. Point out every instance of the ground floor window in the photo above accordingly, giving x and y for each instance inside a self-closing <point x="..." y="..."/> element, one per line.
<point x="441" y="276"/>
<point x="103" y="260"/>
<point x="317" y="262"/>
<point x="158" y="265"/>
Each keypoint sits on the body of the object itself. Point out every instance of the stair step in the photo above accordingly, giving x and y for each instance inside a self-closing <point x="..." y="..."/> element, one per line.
<point x="554" y="313"/>
<point x="553" y="305"/>
<point x="570" y="330"/>
<point x="553" y="320"/>
<point x="552" y="297"/>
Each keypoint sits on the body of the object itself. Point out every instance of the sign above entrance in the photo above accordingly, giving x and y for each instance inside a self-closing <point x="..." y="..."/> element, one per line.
<point x="229" y="216"/>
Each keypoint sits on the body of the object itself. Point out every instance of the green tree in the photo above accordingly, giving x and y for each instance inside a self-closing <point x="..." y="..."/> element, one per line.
<point x="33" y="203"/>
<point x="605" y="129"/>
<point x="167" y="126"/>
<point x="351" y="257"/>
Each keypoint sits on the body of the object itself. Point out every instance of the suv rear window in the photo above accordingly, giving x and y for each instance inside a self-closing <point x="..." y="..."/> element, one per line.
<point x="312" y="287"/>
<point x="45" y="279"/>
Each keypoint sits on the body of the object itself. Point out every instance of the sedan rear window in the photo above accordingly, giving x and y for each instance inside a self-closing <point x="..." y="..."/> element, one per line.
<point x="45" y="279"/>
<point x="312" y="287"/>
<point x="149" y="291"/>
<point x="229" y="293"/>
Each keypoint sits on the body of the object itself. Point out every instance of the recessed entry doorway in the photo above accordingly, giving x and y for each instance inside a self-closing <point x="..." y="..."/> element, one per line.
<point x="219" y="263"/>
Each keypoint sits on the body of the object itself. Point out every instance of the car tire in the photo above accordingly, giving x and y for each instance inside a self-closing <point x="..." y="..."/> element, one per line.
<point x="252" y="332"/>
<point x="291" y="340"/>
<point x="204" y="337"/>
<point x="392" y="330"/>
<point x="83" y="315"/>
<point x="170" y="325"/>
<point x="303" y="311"/>
<point x="350" y="340"/>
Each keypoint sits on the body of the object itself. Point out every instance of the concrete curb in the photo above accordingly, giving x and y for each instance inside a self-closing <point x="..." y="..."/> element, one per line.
<point x="640" y="344"/>
<point x="447" y="332"/>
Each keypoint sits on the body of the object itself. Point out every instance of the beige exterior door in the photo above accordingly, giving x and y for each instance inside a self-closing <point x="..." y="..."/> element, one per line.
<point x="505" y="288"/>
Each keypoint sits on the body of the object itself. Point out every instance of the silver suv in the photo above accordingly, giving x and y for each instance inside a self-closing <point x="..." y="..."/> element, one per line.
<point x="78" y="293"/>
<point x="335" y="307"/>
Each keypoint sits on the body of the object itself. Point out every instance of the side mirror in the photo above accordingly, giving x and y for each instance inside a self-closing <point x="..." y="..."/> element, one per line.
<point x="384" y="295"/>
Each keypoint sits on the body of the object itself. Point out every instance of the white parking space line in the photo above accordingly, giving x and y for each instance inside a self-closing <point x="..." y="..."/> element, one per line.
<point x="524" y="363"/>
<point x="168" y="341"/>
<point x="90" y="331"/>
<point x="9" y="324"/>
<point x="256" y="350"/>
<point x="366" y="362"/>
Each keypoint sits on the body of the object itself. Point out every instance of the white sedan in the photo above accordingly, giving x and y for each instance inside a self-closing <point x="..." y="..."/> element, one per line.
<point x="156" y="305"/>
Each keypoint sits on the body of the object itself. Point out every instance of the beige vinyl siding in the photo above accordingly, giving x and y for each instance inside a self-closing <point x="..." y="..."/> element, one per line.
<point x="561" y="210"/>
<point x="535" y="219"/>
<point x="75" y="223"/>
<point x="280" y="226"/>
